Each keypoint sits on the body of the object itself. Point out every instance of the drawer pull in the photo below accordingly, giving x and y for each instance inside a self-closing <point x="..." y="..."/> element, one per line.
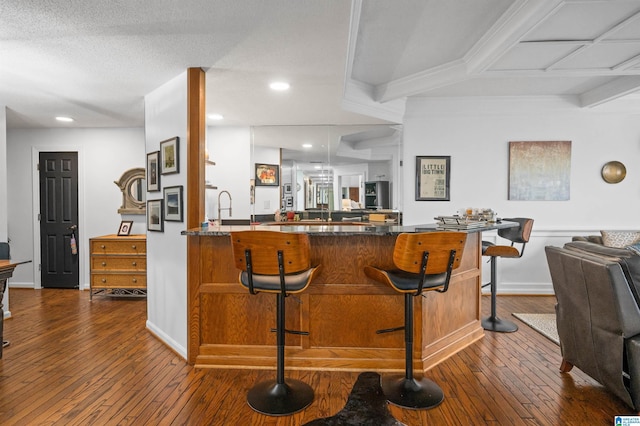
<point x="135" y="280"/>
<point x="104" y="263"/>
<point x="134" y="263"/>
<point x="133" y="246"/>
<point x="104" y="280"/>
<point x="103" y="246"/>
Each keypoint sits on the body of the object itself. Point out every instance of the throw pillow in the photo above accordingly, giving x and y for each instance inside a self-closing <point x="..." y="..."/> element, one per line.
<point x="620" y="239"/>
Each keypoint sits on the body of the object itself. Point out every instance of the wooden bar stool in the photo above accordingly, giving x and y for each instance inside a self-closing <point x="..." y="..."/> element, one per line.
<point x="423" y="262"/>
<point x="518" y="235"/>
<point x="275" y="262"/>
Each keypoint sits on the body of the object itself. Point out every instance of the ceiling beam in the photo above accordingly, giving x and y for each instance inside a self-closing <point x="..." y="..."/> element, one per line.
<point x="614" y="89"/>
<point x="445" y="75"/>
<point x="514" y="24"/>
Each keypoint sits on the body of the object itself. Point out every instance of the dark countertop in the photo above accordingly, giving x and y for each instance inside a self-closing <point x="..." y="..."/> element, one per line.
<point x="336" y="228"/>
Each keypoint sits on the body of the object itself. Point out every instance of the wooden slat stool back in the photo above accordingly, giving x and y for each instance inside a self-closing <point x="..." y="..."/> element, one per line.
<point x="423" y="262"/>
<point x="517" y="235"/>
<point x="275" y="262"/>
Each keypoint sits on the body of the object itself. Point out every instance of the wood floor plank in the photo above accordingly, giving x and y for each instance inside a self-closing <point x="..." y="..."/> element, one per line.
<point x="78" y="362"/>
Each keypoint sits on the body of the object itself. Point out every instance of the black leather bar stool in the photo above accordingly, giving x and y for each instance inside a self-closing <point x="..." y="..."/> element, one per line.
<point x="423" y="262"/>
<point x="275" y="262"/>
<point x="518" y="235"/>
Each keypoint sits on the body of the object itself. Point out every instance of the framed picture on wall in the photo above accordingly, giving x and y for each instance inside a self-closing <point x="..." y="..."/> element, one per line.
<point x="153" y="174"/>
<point x="267" y="175"/>
<point x="155" y="220"/>
<point x="173" y="203"/>
<point x="169" y="158"/>
<point x="432" y="178"/>
<point x="539" y="170"/>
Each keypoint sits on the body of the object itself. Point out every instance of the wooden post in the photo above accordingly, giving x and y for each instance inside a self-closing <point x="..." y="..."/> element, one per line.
<point x="196" y="96"/>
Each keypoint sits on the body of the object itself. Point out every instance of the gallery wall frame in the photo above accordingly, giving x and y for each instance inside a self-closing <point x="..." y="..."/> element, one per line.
<point x="267" y="175"/>
<point x="155" y="219"/>
<point x="169" y="156"/>
<point x="153" y="172"/>
<point x="173" y="204"/>
<point x="539" y="170"/>
<point x="433" y="175"/>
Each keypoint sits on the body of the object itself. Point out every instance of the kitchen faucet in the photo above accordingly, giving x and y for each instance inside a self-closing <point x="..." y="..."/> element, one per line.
<point x="228" y="208"/>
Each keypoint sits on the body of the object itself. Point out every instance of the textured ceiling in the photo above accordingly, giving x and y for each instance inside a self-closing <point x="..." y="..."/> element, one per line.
<point x="347" y="62"/>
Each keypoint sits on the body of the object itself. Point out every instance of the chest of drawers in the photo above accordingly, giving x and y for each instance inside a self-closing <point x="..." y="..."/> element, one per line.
<point x="118" y="265"/>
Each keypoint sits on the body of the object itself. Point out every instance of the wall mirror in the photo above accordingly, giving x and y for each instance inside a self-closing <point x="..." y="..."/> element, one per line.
<point x="325" y="167"/>
<point x="133" y="185"/>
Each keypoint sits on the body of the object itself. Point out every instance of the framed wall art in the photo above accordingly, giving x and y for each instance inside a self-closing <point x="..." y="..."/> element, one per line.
<point x="155" y="220"/>
<point x="432" y="178"/>
<point x="169" y="156"/>
<point x="539" y="171"/>
<point x="267" y="175"/>
<point x="173" y="203"/>
<point x="153" y="173"/>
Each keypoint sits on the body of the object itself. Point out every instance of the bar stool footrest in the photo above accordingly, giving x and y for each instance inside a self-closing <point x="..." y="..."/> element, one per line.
<point x="390" y="330"/>
<point x="412" y="393"/>
<point x="298" y="332"/>
<point x="498" y="325"/>
<point x="280" y="399"/>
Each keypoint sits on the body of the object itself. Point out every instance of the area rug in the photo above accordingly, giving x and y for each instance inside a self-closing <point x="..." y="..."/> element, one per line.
<point x="544" y="324"/>
<point x="366" y="406"/>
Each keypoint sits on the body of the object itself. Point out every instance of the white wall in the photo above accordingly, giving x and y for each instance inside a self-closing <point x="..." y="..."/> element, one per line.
<point x="103" y="155"/>
<point x="230" y="148"/>
<point x="476" y="133"/>
<point x="165" y="118"/>
<point x="4" y="211"/>
<point x="3" y="174"/>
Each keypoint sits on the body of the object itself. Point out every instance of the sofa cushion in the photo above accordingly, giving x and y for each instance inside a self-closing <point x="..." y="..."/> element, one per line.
<point x="598" y="249"/>
<point x="590" y="238"/>
<point x="620" y="239"/>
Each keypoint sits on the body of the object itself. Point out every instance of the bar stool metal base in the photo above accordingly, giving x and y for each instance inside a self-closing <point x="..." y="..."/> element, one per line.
<point x="280" y="399"/>
<point x="412" y="393"/>
<point x="493" y="323"/>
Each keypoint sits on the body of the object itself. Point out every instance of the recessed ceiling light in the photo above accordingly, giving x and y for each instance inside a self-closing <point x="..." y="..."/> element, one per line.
<point x="64" y="119"/>
<point x="306" y="145"/>
<point x="215" y="116"/>
<point x="279" y="85"/>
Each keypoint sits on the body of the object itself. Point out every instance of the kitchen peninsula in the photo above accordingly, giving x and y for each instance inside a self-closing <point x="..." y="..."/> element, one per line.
<point x="341" y="309"/>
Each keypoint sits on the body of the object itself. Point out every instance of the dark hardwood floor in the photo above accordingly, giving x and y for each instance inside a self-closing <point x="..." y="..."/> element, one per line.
<point x="76" y="362"/>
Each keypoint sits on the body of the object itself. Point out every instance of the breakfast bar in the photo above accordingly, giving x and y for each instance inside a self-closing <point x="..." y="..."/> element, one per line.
<point x="341" y="309"/>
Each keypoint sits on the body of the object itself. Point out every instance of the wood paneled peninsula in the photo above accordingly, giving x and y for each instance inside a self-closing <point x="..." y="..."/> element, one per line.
<point x="341" y="309"/>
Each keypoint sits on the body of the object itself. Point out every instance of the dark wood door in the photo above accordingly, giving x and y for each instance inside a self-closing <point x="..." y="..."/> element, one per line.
<point x="59" y="219"/>
<point x="354" y="193"/>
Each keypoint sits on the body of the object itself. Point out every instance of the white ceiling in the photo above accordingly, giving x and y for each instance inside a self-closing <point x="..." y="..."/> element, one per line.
<point x="347" y="62"/>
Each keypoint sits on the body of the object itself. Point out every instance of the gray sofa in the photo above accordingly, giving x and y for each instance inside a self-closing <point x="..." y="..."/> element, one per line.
<point x="598" y="313"/>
